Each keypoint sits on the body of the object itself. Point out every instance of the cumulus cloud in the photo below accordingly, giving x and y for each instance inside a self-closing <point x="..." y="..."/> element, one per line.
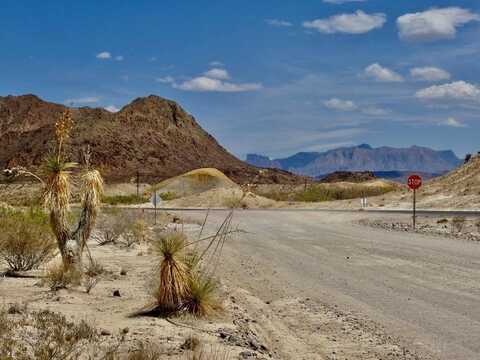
<point x="380" y="73"/>
<point x="104" y="55"/>
<point x="112" y="108"/>
<point x="278" y="23"/>
<point x="119" y="58"/>
<point x="339" y="104"/>
<point x="165" y="80"/>
<point x="214" y="80"/>
<point x="434" y="24"/>
<point x="217" y="73"/>
<point x="341" y="1"/>
<point x="452" y="122"/>
<point x="356" y="23"/>
<point x="429" y="74"/>
<point x="84" y="100"/>
<point x="206" y="84"/>
<point x="459" y="90"/>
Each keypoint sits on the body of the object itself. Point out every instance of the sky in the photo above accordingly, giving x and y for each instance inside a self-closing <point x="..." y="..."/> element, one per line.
<point x="272" y="77"/>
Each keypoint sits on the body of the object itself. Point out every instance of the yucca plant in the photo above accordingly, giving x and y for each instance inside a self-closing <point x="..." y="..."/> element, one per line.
<point x="56" y="195"/>
<point x="173" y="279"/>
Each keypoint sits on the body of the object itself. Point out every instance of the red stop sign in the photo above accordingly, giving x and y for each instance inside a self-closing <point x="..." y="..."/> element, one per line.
<point x="414" y="182"/>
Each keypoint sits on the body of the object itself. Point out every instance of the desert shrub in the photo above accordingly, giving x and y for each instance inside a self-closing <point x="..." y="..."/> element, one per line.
<point x="458" y="224"/>
<point x="58" y="278"/>
<point x="26" y="240"/>
<point x="234" y="201"/>
<point x="442" y="221"/>
<point x="124" y="200"/>
<point x="139" y="230"/>
<point x="169" y="195"/>
<point x="477" y="225"/>
<point x="48" y="336"/>
<point x="92" y="274"/>
<point x="113" y="225"/>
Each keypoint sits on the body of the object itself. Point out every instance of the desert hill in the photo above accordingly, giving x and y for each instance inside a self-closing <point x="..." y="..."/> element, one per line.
<point x="151" y="135"/>
<point x="362" y="158"/>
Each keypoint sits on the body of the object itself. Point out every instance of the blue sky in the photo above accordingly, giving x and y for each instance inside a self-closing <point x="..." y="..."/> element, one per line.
<point x="273" y="77"/>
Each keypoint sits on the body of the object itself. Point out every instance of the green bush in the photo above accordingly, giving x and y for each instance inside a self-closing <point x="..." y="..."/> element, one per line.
<point x="26" y="240"/>
<point x="167" y="196"/>
<point x="320" y="192"/>
<point x="124" y="200"/>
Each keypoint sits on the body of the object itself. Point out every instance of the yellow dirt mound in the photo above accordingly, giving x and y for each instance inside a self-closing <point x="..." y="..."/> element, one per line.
<point x="195" y="182"/>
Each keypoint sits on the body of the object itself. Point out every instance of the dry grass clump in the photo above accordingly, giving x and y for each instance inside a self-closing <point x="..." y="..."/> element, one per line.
<point x="201" y="299"/>
<point x="145" y="351"/>
<point x="26" y="240"/>
<point x="57" y="277"/>
<point x="235" y="201"/>
<point x="211" y="353"/>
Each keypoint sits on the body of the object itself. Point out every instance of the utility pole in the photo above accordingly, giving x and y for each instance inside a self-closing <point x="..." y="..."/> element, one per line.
<point x="138" y="184"/>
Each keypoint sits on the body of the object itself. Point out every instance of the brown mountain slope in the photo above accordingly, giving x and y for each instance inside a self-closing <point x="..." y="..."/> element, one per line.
<point x="151" y="135"/>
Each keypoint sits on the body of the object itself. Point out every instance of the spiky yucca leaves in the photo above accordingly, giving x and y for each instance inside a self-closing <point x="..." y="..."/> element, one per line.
<point x="173" y="273"/>
<point x="56" y="198"/>
<point x="92" y="192"/>
<point x="201" y="300"/>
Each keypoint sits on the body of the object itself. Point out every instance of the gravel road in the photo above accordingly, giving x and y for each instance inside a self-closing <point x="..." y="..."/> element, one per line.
<point x="422" y="290"/>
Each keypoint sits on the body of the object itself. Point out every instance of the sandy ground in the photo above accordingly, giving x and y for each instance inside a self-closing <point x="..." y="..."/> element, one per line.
<point x="298" y="286"/>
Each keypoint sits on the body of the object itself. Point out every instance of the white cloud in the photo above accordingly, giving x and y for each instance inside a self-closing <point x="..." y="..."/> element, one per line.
<point x="380" y="73"/>
<point x="278" y="23"/>
<point x="165" y="80"/>
<point x="216" y="73"/>
<point x="85" y="100"/>
<point x="430" y="74"/>
<point x="452" y="122"/>
<point x="104" y="55"/>
<point x="356" y="23"/>
<point x="339" y="104"/>
<point x="217" y="64"/>
<point x="119" y="58"/>
<point x="341" y="1"/>
<point x="375" y="111"/>
<point x="434" y="24"/>
<point x="112" y="108"/>
<point x="459" y="90"/>
<point x="206" y="84"/>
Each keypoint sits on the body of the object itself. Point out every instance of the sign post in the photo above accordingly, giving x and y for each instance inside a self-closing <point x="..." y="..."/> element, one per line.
<point x="414" y="182"/>
<point x="155" y="200"/>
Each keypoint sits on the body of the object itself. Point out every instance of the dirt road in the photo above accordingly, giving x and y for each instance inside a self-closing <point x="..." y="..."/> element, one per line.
<point x="423" y="291"/>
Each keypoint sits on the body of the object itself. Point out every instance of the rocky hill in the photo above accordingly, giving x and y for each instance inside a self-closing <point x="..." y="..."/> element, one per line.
<point x="363" y="158"/>
<point x="151" y="135"/>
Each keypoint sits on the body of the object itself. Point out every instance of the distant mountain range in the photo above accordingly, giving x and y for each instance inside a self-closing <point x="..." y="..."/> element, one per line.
<point x="383" y="160"/>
